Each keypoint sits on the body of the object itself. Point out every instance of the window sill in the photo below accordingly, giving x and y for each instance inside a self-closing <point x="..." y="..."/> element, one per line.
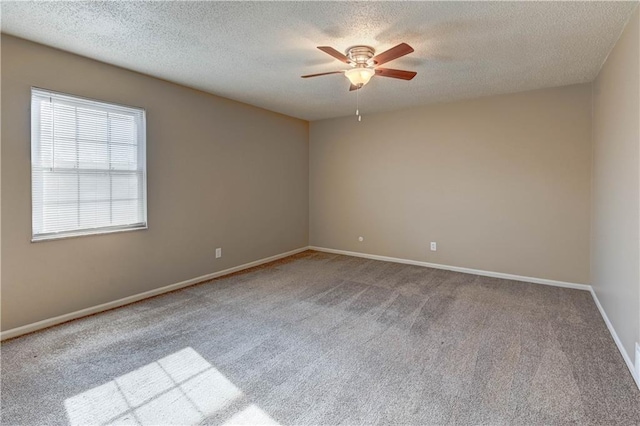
<point x="89" y="233"/>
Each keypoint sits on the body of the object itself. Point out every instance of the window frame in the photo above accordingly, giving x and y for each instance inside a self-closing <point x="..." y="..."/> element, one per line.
<point x="142" y="168"/>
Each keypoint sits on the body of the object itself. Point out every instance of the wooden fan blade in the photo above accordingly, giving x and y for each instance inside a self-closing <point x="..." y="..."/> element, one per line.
<point x="333" y="52"/>
<point x="322" y="73"/>
<point x="401" y="74"/>
<point x="393" y="53"/>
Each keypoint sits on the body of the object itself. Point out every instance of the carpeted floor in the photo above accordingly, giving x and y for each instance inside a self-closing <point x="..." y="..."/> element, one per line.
<point x="321" y="339"/>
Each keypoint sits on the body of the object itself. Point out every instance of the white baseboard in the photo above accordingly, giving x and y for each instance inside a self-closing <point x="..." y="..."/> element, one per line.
<point x="544" y="281"/>
<point x="627" y="359"/>
<point x="30" y="328"/>
<point x="638" y="364"/>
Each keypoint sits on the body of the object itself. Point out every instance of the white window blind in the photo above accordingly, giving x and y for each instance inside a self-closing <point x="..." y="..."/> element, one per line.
<point x="88" y="167"/>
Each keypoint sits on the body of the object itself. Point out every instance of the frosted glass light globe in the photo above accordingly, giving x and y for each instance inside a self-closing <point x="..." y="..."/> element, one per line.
<point x="359" y="76"/>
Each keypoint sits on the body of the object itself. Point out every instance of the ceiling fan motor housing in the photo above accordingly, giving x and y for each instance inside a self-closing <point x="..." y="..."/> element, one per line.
<point x="361" y="56"/>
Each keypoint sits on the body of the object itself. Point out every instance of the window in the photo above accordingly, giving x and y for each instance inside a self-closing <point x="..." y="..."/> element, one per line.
<point x="88" y="167"/>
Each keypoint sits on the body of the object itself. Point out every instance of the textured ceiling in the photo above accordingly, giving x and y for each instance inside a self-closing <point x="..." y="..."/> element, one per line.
<point x="256" y="52"/>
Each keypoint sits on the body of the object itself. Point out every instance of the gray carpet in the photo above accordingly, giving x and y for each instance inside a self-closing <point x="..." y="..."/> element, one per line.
<point x="321" y="339"/>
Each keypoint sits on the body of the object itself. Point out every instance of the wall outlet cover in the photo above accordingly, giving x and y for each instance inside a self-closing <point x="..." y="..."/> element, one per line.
<point x="218" y="253"/>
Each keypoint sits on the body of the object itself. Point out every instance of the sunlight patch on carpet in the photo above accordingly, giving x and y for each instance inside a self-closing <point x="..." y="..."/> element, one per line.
<point x="182" y="388"/>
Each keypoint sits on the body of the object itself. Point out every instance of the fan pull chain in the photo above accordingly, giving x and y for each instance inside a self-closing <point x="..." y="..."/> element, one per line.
<point x="358" y="105"/>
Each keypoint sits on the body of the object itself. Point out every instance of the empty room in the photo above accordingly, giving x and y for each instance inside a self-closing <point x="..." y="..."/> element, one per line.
<point x="320" y="213"/>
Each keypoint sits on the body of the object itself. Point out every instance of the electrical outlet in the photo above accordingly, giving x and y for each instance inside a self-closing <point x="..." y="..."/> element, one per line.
<point x="433" y="246"/>
<point x="218" y="253"/>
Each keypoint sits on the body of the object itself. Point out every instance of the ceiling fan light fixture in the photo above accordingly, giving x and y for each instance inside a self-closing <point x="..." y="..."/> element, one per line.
<point x="359" y="76"/>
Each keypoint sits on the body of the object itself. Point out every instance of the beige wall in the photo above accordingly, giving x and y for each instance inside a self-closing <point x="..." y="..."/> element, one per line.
<point x="500" y="183"/>
<point x="615" y="264"/>
<point x="220" y="174"/>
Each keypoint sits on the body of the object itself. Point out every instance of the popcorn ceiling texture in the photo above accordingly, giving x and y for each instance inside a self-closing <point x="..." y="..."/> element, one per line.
<point x="255" y="52"/>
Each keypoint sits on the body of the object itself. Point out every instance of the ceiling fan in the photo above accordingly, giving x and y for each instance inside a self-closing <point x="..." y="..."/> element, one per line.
<point x="365" y="63"/>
